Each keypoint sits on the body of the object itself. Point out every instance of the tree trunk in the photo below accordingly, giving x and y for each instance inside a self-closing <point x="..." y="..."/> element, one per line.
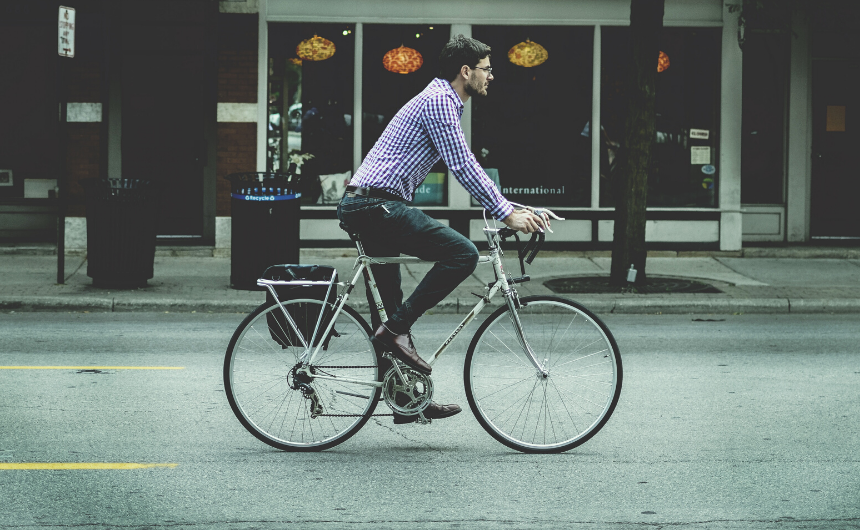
<point x="628" y="246"/>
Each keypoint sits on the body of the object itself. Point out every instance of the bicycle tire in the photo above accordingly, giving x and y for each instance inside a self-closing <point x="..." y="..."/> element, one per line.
<point x="259" y="378"/>
<point x="520" y="407"/>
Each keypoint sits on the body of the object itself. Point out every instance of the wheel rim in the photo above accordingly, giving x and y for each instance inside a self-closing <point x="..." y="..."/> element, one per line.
<point x="269" y="398"/>
<point x="530" y="411"/>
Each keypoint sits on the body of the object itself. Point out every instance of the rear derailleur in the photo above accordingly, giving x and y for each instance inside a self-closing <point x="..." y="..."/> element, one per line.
<point x="300" y="380"/>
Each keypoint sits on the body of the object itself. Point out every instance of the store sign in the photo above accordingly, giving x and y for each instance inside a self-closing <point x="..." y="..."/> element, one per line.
<point x="265" y="198"/>
<point x="66" y="37"/>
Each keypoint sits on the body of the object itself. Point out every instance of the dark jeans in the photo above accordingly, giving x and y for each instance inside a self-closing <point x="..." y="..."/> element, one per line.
<point x="389" y="228"/>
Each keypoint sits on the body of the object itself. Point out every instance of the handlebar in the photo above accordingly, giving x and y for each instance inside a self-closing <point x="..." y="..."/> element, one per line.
<point x="532" y="247"/>
<point x="528" y="253"/>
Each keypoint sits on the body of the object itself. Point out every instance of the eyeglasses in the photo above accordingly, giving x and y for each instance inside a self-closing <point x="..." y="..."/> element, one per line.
<point x="488" y="69"/>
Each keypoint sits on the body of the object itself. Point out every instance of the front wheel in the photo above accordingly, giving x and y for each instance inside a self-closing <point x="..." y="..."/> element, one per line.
<point x="529" y="410"/>
<point x="291" y="407"/>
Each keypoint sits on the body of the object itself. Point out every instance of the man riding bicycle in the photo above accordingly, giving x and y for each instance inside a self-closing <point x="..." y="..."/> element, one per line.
<point x="424" y="131"/>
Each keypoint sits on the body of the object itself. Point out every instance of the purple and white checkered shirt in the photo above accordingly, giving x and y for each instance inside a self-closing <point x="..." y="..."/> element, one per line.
<point x="423" y="131"/>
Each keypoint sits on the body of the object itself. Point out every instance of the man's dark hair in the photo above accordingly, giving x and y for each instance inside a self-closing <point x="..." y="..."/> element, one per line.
<point x="460" y="50"/>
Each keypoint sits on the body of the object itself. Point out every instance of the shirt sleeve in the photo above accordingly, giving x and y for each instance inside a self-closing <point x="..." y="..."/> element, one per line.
<point x="442" y="122"/>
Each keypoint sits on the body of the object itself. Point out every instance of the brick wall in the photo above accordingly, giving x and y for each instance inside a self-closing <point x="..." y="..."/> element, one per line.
<point x="237" y="76"/>
<point x="237" y="153"/>
<point x="82" y="160"/>
<point x="237" y="83"/>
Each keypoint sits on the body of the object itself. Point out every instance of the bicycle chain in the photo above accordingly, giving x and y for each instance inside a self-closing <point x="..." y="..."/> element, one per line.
<point x="349" y="415"/>
<point x="322" y="366"/>
<point x="353" y="415"/>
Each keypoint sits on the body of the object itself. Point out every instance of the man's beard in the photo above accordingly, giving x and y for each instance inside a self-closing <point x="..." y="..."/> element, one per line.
<point x="472" y="90"/>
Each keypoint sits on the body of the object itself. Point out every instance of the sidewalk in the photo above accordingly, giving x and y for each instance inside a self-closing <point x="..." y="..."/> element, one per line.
<point x="189" y="279"/>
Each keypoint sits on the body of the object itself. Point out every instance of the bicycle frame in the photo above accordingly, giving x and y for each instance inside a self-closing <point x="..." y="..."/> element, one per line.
<point x="364" y="261"/>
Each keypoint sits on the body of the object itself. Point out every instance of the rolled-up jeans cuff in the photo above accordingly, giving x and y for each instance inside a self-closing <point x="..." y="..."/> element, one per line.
<point x="401" y="321"/>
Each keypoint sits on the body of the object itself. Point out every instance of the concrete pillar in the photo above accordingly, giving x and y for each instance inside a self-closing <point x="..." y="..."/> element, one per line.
<point x="799" y="182"/>
<point x="731" y="98"/>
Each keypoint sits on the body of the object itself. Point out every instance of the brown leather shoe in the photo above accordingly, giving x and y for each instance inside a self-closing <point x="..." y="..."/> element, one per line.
<point x="401" y="347"/>
<point x="434" y="411"/>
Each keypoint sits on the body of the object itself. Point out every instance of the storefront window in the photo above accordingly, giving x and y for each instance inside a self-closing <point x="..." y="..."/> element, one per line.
<point x="684" y="171"/>
<point x="766" y="64"/>
<point x="311" y="105"/>
<point x="528" y="130"/>
<point x="399" y="61"/>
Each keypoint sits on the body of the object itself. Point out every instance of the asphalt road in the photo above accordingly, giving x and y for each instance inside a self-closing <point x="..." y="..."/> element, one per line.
<point x="749" y="421"/>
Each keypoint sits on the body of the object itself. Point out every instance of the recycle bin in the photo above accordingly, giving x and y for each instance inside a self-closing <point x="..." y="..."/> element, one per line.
<point x="264" y="226"/>
<point x="121" y="231"/>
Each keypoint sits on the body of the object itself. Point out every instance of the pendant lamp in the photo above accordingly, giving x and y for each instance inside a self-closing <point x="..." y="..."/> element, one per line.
<point x="315" y="49"/>
<point x="402" y="60"/>
<point x="528" y="54"/>
<point x="662" y="62"/>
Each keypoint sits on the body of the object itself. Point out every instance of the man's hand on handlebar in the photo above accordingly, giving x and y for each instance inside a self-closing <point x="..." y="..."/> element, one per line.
<point x="526" y="221"/>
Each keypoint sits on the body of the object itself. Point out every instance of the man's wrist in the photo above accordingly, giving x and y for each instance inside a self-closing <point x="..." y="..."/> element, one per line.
<point x="505" y="212"/>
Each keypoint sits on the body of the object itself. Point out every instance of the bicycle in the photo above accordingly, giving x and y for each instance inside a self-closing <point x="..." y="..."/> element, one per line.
<point x="542" y="373"/>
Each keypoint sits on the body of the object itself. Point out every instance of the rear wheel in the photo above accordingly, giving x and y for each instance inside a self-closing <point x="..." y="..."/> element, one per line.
<point x="527" y="410"/>
<point x="279" y="403"/>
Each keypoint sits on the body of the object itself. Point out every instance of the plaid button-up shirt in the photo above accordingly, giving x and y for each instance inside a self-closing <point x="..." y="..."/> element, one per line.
<point x="424" y="131"/>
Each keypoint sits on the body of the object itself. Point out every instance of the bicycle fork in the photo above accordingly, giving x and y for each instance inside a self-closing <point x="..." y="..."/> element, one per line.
<point x="512" y="301"/>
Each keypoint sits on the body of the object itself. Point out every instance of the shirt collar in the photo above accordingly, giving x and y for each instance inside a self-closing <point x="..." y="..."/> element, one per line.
<point x="450" y="92"/>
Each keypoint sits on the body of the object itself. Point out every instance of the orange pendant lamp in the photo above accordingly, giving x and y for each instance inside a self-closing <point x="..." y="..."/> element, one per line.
<point x="662" y="62"/>
<point x="528" y="54"/>
<point x="402" y="60"/>
<point x="315" y="49"/>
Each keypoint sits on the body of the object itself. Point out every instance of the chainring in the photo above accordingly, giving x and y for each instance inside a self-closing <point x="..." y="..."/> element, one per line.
<point x="407" y="397"/>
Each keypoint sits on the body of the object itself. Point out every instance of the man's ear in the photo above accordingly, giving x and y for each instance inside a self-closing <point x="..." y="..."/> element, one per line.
<point x="464" y="71"/>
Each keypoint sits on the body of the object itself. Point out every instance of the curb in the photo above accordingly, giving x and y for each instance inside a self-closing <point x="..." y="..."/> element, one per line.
<point x="459" y="306"/>
<point x="55" y="304"/>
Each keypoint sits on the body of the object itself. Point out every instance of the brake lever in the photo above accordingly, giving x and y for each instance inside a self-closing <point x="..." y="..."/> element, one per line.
<point x="540" y="211"/>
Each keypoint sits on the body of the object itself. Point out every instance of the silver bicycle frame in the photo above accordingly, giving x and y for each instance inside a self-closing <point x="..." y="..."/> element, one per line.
<point x="364" y="261"/>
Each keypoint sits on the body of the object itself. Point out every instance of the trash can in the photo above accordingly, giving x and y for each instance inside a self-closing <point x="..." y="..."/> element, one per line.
<point x="264" y="226"/>
<point x="121" y="230"/>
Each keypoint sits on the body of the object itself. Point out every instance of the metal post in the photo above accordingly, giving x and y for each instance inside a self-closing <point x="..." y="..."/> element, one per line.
<point x="61" y="170"/>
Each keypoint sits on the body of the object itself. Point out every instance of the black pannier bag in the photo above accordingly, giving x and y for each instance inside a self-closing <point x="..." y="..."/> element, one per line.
<point x="305" y="316"/>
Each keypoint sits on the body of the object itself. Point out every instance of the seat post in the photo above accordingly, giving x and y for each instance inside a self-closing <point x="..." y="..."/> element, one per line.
<point x="356" y="238"/>
<point x="359" y="246"/>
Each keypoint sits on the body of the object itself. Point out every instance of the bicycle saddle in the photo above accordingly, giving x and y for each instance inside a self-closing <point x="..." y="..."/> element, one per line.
<point x="353" y="234"/>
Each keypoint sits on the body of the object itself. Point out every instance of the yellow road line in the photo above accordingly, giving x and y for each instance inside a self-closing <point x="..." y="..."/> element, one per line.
<point x="92" y="367"/>
<point x="78" y="465"/>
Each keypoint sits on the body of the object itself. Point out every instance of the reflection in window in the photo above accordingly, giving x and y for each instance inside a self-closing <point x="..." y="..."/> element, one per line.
<point x="527" y="130"/>
<point x="393" y="74"/>
<point x="684" y="170"/>
<point x="311" y="105"/>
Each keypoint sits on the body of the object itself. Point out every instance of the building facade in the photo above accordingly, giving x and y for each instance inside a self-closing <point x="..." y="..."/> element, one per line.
<point x="753" y="119"/>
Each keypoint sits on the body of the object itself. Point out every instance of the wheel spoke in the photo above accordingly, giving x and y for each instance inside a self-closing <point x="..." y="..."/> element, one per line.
<point x="552" y="413"/>
<point x="264" y="383"/>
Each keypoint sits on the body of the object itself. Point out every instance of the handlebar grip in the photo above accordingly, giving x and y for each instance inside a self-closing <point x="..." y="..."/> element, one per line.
<point x="506" y="232"/>
<point x="528" y="248"/>
<point x="540" y="239"/>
